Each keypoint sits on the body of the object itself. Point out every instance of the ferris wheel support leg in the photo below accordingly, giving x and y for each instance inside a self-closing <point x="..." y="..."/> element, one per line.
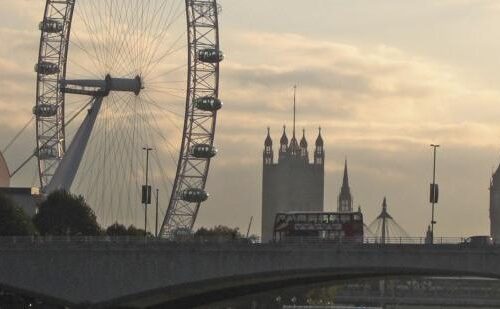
<point x="67" y="169"/>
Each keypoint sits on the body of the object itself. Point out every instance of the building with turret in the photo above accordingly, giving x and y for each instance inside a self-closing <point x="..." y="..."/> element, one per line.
<point x="292" y="183"/>
<point x="495" y="206"/>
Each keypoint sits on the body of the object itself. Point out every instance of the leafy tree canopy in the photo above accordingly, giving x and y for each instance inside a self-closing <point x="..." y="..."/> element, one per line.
<point x="63" y="213"/>
<point x="118" y="229"/>
<point x="13" y="220"/>
<point x="219" y="231"/>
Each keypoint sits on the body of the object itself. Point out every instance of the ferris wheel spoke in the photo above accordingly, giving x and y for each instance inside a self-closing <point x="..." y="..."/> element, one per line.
<point x="94" y="43"/>
<point x="119" y="49"/>
<point x="153" y="61"/>
<point x="92" y="34"/>
<point x="76" y="41"/>
<point x="156" y="129"/>
<point x="123" y="167"/>
<point x="148" y="36"/>
<point x="170" y="93"/>
<point x="158" y="78"/>
<point x="140" y="38"/>
<point x="157" y="42"/>
<point x="84" y="69"/>
<point x="166" y="112"/>
<point x="111" y="25"/>
<point x="151" y="56"/>
<point x="115" y="34"/>
<point x="99" y="20"/>
<point x="150" y="131"/>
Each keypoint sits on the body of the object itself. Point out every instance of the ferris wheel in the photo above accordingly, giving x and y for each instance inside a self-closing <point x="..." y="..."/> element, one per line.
<point x="114" y="76"/>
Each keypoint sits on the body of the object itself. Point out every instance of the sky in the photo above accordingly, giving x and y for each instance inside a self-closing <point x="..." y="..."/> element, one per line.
<point x="384" y="79"/>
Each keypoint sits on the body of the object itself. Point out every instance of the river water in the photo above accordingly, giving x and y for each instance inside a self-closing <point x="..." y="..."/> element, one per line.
<point x="387" y="293"/>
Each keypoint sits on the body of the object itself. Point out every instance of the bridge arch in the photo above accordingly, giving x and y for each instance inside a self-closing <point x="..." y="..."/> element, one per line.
<point x="99" y="273"/>
<point x="214" y="290"/>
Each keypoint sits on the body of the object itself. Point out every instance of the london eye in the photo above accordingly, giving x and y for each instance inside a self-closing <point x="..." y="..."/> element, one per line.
<point x="114" y="76"/>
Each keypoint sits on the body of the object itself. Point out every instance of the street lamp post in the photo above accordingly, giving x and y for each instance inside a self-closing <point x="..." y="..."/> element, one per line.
<point x="433" y="193"/>
<point x="156" y="221"/>
<point x="146" y="192"/>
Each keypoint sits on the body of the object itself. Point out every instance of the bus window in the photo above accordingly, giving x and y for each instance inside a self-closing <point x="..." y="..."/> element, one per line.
<point x="344" y="218"/>
<point x="312" y="218"/>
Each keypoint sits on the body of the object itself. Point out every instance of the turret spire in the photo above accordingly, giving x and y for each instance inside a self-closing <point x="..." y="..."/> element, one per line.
<point x="284" y="138"/>
<point x="303" y="141"/>
<point x="268" y="141"/>
<point x="283" y="144"/>
<point x="345" y="179"/>
<point x="345" y="197"/>
<point x="319" y="140"/>
<point x="319" y="154"/>
<point x="268" y="149"/>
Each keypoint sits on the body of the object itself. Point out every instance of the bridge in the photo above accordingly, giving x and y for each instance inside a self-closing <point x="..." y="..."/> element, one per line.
<point x="140" y="273"/>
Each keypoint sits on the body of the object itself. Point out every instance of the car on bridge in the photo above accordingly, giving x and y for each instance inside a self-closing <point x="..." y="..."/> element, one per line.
<point x="479" y="241"/>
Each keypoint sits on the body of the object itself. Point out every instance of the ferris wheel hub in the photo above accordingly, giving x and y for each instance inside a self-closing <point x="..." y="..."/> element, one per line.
<point x="103" y="87"/>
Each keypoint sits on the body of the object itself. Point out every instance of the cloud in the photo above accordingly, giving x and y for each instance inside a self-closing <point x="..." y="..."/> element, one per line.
<point x="379" y="106"/>
<point x="484" y="4"/>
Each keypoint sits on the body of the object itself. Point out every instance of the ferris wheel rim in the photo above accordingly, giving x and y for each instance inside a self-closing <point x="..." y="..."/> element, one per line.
<point x="195" y="9"/>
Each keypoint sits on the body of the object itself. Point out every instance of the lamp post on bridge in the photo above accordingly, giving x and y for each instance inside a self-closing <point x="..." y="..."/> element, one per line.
<point x="434" y="193"/>
<point x="146" y="191"/>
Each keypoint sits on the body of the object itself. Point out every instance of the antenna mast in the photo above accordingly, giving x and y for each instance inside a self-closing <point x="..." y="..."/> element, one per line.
<point x="294" y="107"/>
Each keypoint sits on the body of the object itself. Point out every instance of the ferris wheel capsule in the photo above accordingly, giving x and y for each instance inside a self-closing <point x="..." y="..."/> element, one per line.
<point x="46" y="68"/>
<point x="45" y="110"/>
<point x="50" y="25"/>
<point x="210" y="55"/>
<point x="203" y="151"/>
<point x="47" y="153"/>
<point x="209" y="104"/>
<point x="194" y="195"/>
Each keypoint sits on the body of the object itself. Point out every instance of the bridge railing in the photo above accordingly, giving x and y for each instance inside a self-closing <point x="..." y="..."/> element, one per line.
<point x="414" y="240"/>
<point x="377" y="240"/>
<point x="119" y="239"/>
<point x="225" y="239"/>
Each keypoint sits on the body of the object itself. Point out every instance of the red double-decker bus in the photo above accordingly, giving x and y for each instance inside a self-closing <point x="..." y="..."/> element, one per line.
<point x="297" y="225"/>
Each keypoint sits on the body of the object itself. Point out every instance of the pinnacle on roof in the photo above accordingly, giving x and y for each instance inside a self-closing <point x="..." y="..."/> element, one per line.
<point x="294" y="146"/>
<point x="303" y="141"/>
<point x="284" y="139"/>
<point x="269" y="141"/>
<point x="319" y="140"/>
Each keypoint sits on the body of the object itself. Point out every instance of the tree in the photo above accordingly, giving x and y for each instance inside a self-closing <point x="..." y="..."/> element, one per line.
<point x="13" y="220"/>
<point x="219" y="231"/>
<point x="133" y="231"/>
<point x="118" y="229"/>
<point x="63" y="213"/>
